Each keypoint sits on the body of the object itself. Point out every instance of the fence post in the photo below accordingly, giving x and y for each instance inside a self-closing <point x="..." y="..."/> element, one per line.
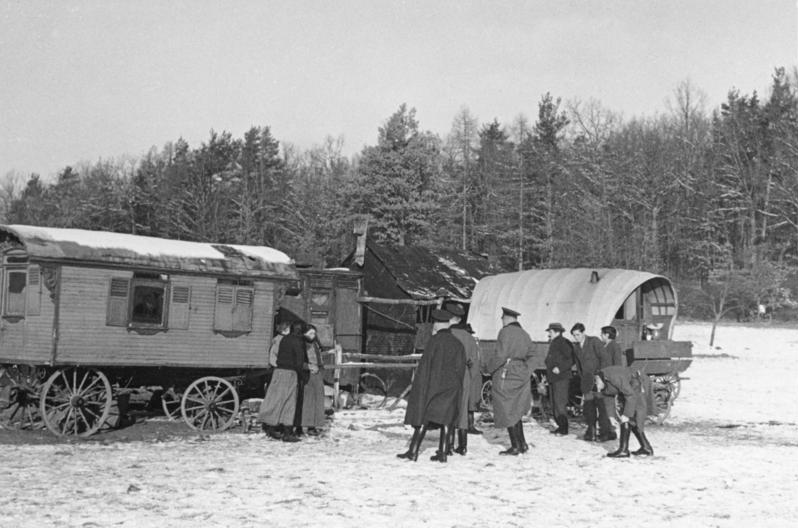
<point x="339" y="356"/>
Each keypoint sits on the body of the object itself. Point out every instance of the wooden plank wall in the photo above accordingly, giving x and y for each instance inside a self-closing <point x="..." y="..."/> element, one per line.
<point x="85" y="338"/>
<point x="29" y="340"/>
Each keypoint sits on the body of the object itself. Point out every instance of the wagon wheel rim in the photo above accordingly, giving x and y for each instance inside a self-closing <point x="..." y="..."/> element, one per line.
<point x="663" y="401"/>
<point x="487" y="395"/>
<point x="22" y="387"/>
<point x="171" y="400"/>
<point x="76" y="401"/>
<point x="210" y="404"/>
<point x="373" y="386"/>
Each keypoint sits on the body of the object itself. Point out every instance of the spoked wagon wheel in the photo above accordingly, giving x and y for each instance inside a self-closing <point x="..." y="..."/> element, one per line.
<point x="76" y="401"/>
<point x="210" y="404"/>
<point x="21" y="387"/>
<point x="665" y="391"/>
<point x="170" y="402"/>
<point x="372" y="391"/>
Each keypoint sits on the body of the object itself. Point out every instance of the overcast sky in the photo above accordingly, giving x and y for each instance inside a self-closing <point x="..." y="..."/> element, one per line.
<point x="83" y="80"/>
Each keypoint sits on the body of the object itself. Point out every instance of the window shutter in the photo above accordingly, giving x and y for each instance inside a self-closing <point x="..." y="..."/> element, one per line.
<point x="242" y="311"/>
<point x="180" y="307"/>
<point x="118" y="292"/>
<point x="223" y="313"/>
<point x="34" y="304"/>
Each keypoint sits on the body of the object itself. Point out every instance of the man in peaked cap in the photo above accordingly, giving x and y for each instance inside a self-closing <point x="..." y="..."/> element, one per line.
<point x="510" y="374"/>
<point x="472" y="380"/>
<point x="435" y="397"/>
<point x="559" y="361"/>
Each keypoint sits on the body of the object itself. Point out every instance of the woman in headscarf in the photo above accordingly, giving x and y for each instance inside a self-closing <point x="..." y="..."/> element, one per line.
<point x="313" y="398"/>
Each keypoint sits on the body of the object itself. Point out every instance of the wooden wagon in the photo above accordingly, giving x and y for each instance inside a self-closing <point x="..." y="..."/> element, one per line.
<point x="641" y="306"/>
<point x="87" y="315"/>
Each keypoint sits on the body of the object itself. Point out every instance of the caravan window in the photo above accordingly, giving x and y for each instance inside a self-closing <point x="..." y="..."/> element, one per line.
<point x="143" y="301"/>
<point x="148" y="301"/>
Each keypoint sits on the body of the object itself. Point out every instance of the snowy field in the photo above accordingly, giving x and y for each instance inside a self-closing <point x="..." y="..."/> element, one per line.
<point x="727" y="456"/>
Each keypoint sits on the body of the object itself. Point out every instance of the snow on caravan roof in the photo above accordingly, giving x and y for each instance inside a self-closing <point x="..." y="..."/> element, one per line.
<point x="119" y="249"/>
<point x="563" y="295"/>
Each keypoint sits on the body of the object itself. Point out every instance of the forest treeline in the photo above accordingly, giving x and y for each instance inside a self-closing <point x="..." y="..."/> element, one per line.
<point x="709" y="196"/>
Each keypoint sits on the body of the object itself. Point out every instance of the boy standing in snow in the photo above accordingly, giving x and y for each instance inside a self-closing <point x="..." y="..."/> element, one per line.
<point x="559" y="361"/>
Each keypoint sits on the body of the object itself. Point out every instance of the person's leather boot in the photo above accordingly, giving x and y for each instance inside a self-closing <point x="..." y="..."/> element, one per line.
<point x="590" y="434"/>
<point x="462" y="442"/>
<point x="441" y="455"/>
<point x="513" y="449"/>
<point x="623" y="448"/>
<point x="472" y="429"/>
<point x="288" y="434"/>
<point x="415" y="444"/>
<point x="645" y="447"/>
<point x="450" y="440"/>
<point x="523" y="447"/>
<point x="562" y="426"/>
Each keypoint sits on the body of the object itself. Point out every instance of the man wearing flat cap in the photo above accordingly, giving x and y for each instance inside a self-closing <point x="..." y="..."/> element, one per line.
<point x="510" y="373"/>
<point x="559" y="361"/>
<point x="472" y="379"/>
<point x="435" y="397"/>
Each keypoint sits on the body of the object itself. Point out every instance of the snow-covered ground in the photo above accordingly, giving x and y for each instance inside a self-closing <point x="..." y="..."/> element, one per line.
<point x="728" y="456"/>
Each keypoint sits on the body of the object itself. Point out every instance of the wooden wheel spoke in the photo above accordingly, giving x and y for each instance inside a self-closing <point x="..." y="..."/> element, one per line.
<point x="92" y="413"/>
<point x="82" y="417"/>
<point x="80" y="387"/>
<point x="193" y="407"/>
<point x="226" y="401"/>
<point x="92" y="384"/>
<point x="195" y="400"/>
<point x="66" y="383"/>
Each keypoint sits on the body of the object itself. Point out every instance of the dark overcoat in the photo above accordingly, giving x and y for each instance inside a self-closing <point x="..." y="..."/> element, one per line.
<point x="561" y="355"/>
<point x="587" y="361"/>
<point x="510" y="373"/>
<point x="472" y="385"/>
<point x="438" y="383"/>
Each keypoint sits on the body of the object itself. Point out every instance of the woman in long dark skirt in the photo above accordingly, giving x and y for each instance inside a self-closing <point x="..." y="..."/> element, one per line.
<point x="313" y="397"/>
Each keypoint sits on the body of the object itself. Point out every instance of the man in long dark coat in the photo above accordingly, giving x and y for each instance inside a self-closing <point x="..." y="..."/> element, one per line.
<point x="472" y="380"/>
<point x="510" y="380"/>
<point x="586" y="351"/>
<point x="435" y="397"/>
<point x="559" y="361"/>
<point x="637" y="403"/>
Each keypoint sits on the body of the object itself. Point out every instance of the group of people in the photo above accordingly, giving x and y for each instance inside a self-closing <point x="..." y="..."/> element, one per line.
<point x="294" y="401"/>
<point x="446" y="387"/>
<point x="604" y="376"/>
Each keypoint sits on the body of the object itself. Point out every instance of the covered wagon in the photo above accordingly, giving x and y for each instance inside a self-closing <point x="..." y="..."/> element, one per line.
<point x="641" y="306"/>
<point x="87" y="313"/>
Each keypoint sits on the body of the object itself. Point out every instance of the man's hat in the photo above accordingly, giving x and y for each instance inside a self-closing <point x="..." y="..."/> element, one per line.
<point x="555" y="326"/>
<point x="455" y="309"/>
<point x="510" y="312"/>
<point x="441" y="315"/>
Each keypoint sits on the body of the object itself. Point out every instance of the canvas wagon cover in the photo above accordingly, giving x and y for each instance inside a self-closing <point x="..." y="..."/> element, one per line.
<point x="119" y="249"/>
<point x="563" y="295"/>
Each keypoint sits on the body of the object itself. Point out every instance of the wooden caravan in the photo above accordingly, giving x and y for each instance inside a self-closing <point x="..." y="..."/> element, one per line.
<point x="84" y="312"/>
<point x="641" y="306"/>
